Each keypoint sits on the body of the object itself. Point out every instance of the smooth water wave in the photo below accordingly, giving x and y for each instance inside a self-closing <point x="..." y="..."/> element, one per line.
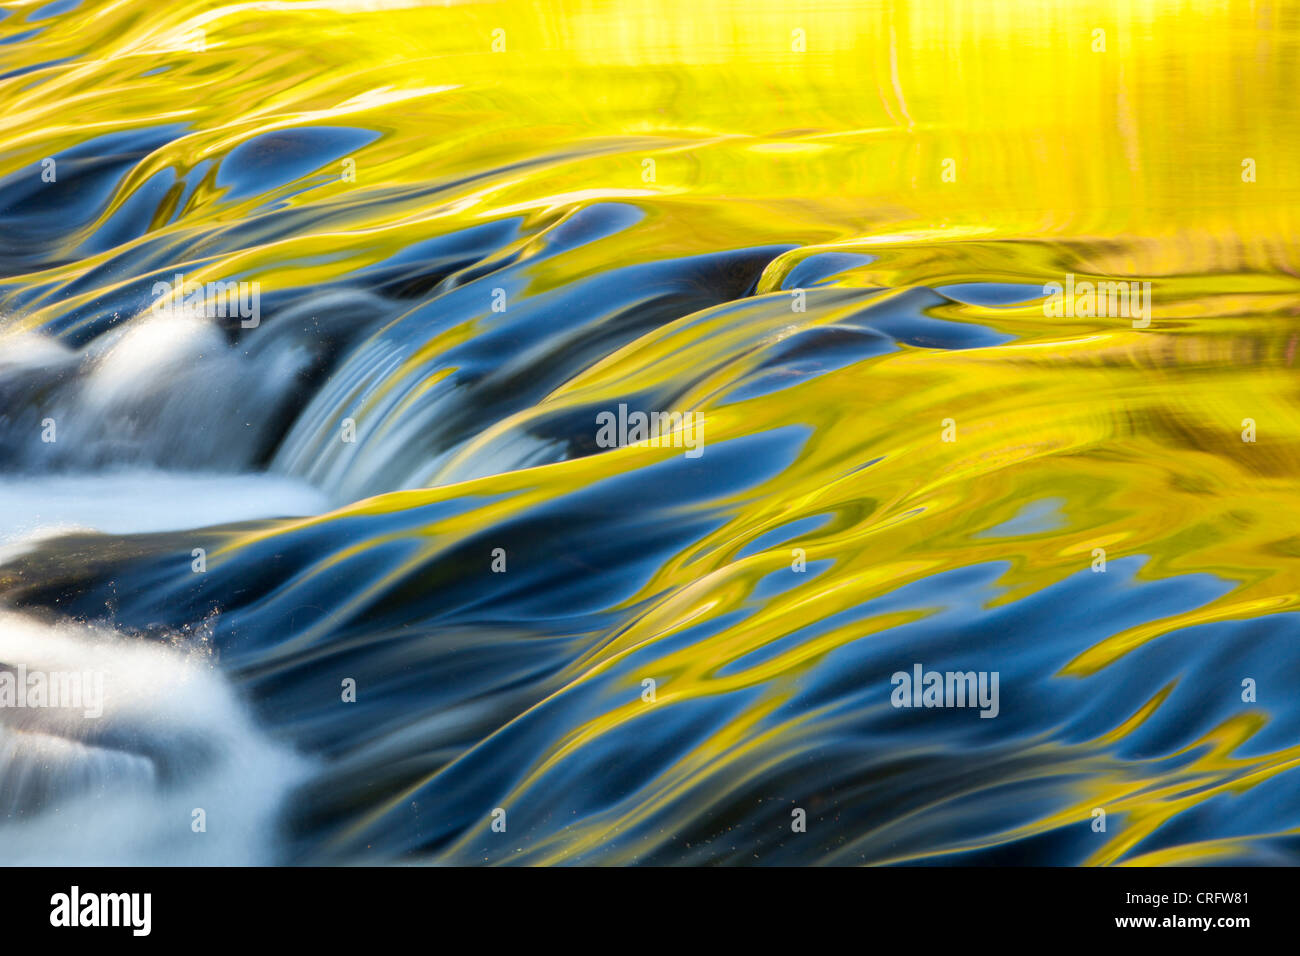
<point x="465" y="256"/>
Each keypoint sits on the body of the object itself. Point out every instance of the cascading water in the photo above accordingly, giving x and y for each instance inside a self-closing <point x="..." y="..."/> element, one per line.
<point x="358" y="571"/>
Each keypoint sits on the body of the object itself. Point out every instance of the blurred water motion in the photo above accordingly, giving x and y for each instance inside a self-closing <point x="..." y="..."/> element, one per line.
<point x="824" y="227"/>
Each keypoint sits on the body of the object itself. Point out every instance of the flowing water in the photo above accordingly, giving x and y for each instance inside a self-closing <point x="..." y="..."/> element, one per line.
<point x="827" y="229"/>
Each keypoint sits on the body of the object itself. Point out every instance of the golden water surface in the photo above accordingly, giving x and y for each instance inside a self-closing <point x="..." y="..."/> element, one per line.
<point x="948" y="152"/>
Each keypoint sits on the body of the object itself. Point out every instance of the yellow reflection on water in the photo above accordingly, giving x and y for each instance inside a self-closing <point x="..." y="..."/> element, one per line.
<point x="949" y="142"/>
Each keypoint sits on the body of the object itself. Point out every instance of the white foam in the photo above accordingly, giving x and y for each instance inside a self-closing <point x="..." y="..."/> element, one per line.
<point x="160" y="391"/>
<point x="125" y="502"/>
<point x="121" y="789"/>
